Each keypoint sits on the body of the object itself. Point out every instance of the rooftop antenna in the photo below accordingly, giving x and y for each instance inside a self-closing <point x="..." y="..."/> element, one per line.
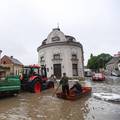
<point x="58" y="26"/>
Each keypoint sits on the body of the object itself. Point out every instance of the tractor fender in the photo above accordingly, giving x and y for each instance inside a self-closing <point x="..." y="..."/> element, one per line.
<point x="32" y="78"/>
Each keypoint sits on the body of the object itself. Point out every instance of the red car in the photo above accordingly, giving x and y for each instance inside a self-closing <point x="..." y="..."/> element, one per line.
<point x="98" y="77"/>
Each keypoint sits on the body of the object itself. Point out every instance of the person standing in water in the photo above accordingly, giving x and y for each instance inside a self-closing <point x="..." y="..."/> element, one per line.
<point x="65" y="84"/>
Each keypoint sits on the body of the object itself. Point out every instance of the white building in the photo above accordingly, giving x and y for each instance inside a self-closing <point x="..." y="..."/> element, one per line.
<point x="61" y="53"/>
<point x="113" y="66"/>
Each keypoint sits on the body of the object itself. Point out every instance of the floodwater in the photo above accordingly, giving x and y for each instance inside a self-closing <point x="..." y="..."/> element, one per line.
<point x="43" y="106"/>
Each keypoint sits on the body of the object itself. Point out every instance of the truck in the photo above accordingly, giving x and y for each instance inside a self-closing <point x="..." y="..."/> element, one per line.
<point x="33" y="78"/>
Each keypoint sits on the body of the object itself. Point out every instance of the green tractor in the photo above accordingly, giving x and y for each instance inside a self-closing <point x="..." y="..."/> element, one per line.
<point x="34" y="79"/>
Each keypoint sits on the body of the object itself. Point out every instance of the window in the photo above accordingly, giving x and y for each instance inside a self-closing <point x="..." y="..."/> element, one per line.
<point x="75" y="69"/>
<point x="42" y="59"/>
<point x="4" y="62"/>
<point x="35" y="71"/>
<point x="56" y="56"/>
<point x="26" y="71"/>
<point x="74" y="56"/>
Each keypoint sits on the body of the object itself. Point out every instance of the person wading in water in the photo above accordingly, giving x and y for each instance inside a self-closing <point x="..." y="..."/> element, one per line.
<point x="65" y="84"/>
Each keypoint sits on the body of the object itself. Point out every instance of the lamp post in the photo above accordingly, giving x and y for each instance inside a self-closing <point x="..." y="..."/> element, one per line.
<point x="0" y="56"/>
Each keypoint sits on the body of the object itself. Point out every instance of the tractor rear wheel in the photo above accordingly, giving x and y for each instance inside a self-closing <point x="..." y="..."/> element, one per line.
<point x="36" y="86"/>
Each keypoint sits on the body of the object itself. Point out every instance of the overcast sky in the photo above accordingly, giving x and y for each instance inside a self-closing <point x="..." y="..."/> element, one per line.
<point x="24" y="24"/>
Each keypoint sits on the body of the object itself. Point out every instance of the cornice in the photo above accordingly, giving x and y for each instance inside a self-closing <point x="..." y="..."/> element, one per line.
<point x="66" y="43"/>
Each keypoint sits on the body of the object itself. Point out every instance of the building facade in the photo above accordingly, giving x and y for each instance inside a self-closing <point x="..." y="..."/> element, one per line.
<point x="12" y="63"/>
<point x="113" y="66"/>
<point x="61" y="53"/>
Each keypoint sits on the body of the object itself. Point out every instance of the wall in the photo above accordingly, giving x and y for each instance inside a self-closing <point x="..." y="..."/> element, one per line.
<point x="66" y="55"/>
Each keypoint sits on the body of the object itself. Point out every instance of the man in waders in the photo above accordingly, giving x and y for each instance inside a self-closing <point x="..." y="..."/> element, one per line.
<point x="65" y="84"/>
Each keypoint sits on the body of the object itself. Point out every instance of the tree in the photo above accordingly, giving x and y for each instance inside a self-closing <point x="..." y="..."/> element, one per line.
<point x="96" y="62"/>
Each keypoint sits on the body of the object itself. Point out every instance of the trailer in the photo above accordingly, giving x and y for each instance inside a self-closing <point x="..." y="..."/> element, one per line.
<point x="9" y="84"/>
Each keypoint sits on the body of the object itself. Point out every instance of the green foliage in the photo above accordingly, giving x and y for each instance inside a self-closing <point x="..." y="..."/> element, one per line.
<point x="96" y="62"/>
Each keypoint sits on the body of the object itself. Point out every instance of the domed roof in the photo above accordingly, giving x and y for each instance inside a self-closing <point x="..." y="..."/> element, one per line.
<point x="56" y="36"/>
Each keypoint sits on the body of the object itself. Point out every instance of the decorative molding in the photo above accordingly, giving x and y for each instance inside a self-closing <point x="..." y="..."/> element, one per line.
<point x="77" y="44"/>
<point x="56" y="38"/>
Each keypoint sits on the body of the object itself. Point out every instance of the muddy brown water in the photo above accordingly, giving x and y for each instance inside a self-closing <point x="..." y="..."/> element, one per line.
<point x="28" y="106"/>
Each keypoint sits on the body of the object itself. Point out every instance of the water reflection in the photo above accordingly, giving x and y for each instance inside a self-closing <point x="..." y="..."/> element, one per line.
<point x="43" y="106"/>
<point x="74" y="110"/>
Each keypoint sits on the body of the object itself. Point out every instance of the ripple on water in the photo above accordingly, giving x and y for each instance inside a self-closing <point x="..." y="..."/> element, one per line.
<point x="43" y="106"/>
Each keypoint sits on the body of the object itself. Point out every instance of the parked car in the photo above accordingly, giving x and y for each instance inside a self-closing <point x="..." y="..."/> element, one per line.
<point x="98" y="77"/>
<point x="88" y="73"/>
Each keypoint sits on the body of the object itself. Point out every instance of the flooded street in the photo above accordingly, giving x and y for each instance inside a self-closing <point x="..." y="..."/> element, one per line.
<point x="28" y="106"/>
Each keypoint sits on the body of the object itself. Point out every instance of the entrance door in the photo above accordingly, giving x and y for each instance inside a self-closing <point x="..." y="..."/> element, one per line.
<point x="57" y="70"/>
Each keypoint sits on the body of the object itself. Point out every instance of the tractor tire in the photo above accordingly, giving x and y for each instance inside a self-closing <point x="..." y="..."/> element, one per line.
<point x="36" y="86"/>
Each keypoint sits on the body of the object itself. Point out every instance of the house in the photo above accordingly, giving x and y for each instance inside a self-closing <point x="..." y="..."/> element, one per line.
<point x="113" y="66"/>
<point x="61" y="53"/>
<point x="12" y="63"/>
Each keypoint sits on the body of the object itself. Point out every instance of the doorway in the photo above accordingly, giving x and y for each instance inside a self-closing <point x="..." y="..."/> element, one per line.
<point x="57" y="70"/>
